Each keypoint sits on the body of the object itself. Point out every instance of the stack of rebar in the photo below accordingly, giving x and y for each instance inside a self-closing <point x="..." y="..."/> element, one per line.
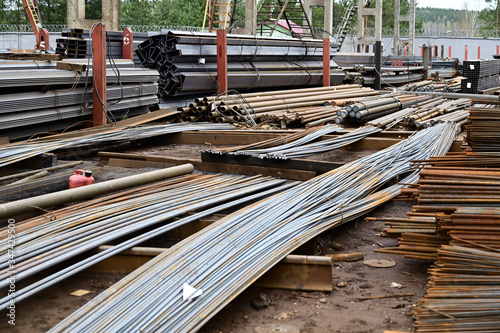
<point x="291" y="108"/>
<point x="462" y="292"/>
<point x="18" y="151"/>
<point x="187" y="62"/>
<point x="226" y="257"/>
<point x="482" y="130"/>
<point x="480" y="75"/>
<point x="426" y="112"/>
<point x="300" y="144"/>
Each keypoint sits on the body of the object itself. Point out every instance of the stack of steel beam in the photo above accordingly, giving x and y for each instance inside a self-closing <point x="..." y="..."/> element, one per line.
<point x="226" y="257"/>
<point x="187" y="62"/>
<point x="287" y="108"/>
<point x="148" y="210"/>
<point x="462" y="292"/>
<point x="480" y="75"/>
<point x="49" y="99"/>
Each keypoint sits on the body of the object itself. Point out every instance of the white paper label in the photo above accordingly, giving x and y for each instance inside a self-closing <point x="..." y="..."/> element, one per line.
<point x="471" y="67"/>
<point x="469" y="84"/>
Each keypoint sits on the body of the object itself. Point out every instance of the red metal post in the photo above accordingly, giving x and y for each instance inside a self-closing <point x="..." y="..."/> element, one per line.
<point x="449" y="51"/>
<point x="221" y="61"/>
<point x="466" y="49"/>
<point x="43" y="43"/>
<point x="326" y="62"/>
<point x="404" y="49"/>
<point x="479" y="52"/>
<point x="498" y="49"/>
<point x="421" y="51"/>
<point x="99" y="75"/>
<point x="128" y="44"/>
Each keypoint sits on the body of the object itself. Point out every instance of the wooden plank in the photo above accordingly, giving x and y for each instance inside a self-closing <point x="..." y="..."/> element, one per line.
<point x="148" y="117"/>
<point x="4" y="140"/>
<point x="298" y="164"/>
<point x="130" y="163"/>
<point x="64" y="65"/>
<point x="311" y="273"/>
<point x="249" y="170"/>
<point x="29" y="56"/>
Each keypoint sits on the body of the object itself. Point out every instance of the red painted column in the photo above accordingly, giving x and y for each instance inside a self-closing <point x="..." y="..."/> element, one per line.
<point x="326" y="62"/>
<point x="498" y="49"/>
<point x="128" y="44"/>
<point x="466" y="49"/>
<point x="99" y="75"/>
<point x="421" y="51"/>
<point x="221" y="61"/>
<point x="479" y="52"/>
<point x="449" y="51"/>
<point x="404" y="49"/>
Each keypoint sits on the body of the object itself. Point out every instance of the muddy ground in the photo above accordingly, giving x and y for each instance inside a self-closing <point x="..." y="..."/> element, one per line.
<point x="338" y="311"/>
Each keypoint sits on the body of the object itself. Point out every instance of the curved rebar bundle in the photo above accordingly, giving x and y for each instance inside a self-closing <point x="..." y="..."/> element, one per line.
<point x="229" y="255"/>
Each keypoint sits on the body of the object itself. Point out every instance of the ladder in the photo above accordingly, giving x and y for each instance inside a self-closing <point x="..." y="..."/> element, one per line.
<point x="289" y="14"/>
<point x="32" y="8"/>
<point x="219" y="14"/>
<point x="347" y="19"/>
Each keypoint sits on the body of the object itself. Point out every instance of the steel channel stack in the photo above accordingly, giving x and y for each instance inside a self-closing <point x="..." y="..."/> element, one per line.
<point x="480" y="75"/>
<point x="186" y="62"/>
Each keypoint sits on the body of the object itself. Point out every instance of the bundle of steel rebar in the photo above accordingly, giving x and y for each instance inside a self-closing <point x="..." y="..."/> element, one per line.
<point x="187" y="62"/>
<point x="226" y="257"/>
<point x="41" y="244"/>
<point x="395" y="227"/>
<point x="454" y="159"/>
<point x="462" y="292"/>
<point x="482" y="130"/>
<point x="302" y="146"/>
<point x="18" y="151"/>
<point x="291" y="108"/>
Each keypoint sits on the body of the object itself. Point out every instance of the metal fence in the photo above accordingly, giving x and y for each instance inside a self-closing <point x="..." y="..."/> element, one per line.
<point x="352" y="31"/>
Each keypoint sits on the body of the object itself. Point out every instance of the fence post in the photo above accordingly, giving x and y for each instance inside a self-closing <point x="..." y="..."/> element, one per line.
<point x="466" y="49"/>
<point x="449" y="51"/>
<point x="479" y="52"/>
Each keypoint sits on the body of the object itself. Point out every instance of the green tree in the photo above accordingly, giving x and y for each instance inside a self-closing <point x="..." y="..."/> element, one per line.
<point x="489" y="17"/>
<point x="137" y="12"/>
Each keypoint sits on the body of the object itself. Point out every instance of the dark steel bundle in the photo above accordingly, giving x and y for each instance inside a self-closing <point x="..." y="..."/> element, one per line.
<point x="474" y="69"/>
<point x="482" y="129"/>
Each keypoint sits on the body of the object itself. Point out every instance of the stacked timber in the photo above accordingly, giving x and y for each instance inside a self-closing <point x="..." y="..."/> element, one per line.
<point x="50" y="99"/>
<point x="187" y="62"/>
<point x="286" y="108"/>
<point x="480" y="75"/>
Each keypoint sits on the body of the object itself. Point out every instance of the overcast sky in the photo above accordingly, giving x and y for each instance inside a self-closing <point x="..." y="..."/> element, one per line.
<point x="455" y="4"/>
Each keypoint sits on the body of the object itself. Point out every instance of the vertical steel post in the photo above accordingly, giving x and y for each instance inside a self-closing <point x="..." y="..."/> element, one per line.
<point x="99" y="75"/>
<point x="128" y="44"/>
<point x="221" y="61"/>
<point x="326" y="62"/>
<point x="498" y="49"/>
<point x="442" y="51"/>
<point x="466" y="49"/>
<point x="405" y="48"/>
<point x="378" y="64"/>
<point x="449" y="51"/>
<point x="479" y="52"/>
<point x="426" y="54"/>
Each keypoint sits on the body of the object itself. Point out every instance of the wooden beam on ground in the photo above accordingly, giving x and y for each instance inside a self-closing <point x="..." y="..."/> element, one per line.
<point x="149" y="117"/>
<point x="45" y="160"/>
<point x="296" y="272"/>
<point x="153" y="161"/>
<point x="4" y="140"/>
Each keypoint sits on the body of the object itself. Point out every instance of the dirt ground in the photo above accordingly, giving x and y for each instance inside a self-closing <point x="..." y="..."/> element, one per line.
<point x="339" y="311"/>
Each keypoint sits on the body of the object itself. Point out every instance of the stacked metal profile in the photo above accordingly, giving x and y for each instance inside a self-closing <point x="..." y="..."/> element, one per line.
<point x="187" y="62"/>
<point x="49" y="99"/>
<point x="462" y="292"/>
<point x="300" y="144"/>
<point x="150" y="210"/>
<point x="226" y="257"/>
<point x="480" y="75"/>
<point x="286" y="108"/>
<point x="72" y="45"/>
